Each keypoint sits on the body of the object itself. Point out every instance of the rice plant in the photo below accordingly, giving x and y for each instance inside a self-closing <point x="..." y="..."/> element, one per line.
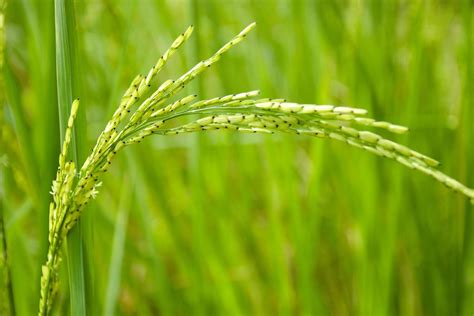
<point x="142" y="113"/>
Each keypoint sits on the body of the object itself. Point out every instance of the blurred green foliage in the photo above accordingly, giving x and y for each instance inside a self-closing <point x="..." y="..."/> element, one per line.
<point x="226" y="224"/>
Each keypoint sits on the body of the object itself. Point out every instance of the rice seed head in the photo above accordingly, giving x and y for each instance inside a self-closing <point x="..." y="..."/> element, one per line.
<point x="137" y="118"/>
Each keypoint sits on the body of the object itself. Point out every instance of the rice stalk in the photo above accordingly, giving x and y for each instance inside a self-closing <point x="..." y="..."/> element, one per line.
<point x="138" y="117"/>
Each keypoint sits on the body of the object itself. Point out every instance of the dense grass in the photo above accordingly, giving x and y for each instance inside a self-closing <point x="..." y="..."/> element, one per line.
<point x="231" y="224"/>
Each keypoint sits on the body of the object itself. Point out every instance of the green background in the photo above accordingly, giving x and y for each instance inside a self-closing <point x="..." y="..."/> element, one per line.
<point x="227" y="224"/>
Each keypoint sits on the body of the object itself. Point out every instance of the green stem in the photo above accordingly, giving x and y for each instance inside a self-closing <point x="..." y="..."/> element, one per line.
<point x="7" y="306"/>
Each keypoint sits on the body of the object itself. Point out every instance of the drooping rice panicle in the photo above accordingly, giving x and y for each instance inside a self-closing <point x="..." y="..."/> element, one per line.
<point x="159" y="114"/>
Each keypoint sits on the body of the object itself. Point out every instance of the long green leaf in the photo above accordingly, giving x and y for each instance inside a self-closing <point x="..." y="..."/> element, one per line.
<point x="65" y="59"/>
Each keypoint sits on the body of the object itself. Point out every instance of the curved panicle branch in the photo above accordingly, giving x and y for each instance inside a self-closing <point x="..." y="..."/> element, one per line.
<point x="137" y="118"/>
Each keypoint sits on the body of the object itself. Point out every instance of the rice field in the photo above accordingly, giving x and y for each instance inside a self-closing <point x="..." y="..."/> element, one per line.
<point x="227" y="223"/>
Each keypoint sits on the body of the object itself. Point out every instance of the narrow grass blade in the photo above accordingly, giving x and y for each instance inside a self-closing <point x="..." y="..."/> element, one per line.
<point x="65" y="49"/>
<point x="118" y="248"/>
